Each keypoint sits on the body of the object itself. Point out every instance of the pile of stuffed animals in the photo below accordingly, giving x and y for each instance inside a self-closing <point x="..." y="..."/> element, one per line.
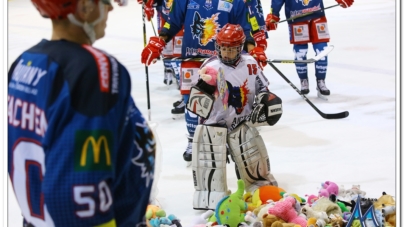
<point x="271" y="206"/>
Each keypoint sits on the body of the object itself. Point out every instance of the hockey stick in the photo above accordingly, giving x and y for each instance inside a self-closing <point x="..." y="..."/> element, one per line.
<point x="324" y="115"/>
<point x="308" y="13"/>
<point x="322" y="54"/>
<point x="146" y="67"/>
<point x="319" y="56"/>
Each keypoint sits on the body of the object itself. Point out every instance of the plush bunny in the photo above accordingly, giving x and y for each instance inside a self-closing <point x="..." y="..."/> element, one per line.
<point x="285" y="210"/>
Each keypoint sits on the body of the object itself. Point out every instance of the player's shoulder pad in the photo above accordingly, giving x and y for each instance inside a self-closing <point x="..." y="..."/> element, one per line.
<point x="95" y="81"/>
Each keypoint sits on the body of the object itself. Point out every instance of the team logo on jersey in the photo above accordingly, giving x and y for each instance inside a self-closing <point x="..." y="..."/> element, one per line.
<point x="304" y="2"/>
<point x="167" y="6"/>
<point x="193" y="5"/>
<point x="225" y="6"/>
<point x="205" y="30"/>
<point x="238" y="96"/>
<point x="93" y="150"/>
<point x="145" y="143"/>
<point x="208" y="5"/>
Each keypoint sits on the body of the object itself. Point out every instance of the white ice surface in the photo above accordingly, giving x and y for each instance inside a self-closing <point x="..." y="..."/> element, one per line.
<point x="304" y="148"/>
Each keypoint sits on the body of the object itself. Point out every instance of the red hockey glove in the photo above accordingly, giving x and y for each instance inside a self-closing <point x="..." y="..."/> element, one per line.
<point x="260" y="39"/>
<point x="259" y="55"/>
<point x="152" y="50"/>
<point x="271" y="22"/>
<point x="148" y="8"/>
<point x="345" y="3"/>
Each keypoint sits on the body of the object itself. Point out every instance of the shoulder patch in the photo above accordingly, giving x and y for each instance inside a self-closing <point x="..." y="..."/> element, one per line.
<point x="103" y="66"/>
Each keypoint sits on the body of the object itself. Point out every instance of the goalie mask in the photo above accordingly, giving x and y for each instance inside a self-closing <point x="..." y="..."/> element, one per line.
<point x="229" y="43"/>
<point x="61" y="9"/>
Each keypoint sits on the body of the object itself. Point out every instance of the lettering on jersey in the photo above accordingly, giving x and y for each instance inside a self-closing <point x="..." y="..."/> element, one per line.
<point x="93" y="150"/>
<point x="26" y="116"/>
<point x="27" y="73"/>
<point x="103" y="67"/>
<point x="237" y="120"/>
<point x="115" y="76"/>
<point x="297" y="13"/>
<point x="205" y="30"/>
<point x="301" y="54"/>
<point x="225" y="6"/>
<point x="193" y="5"/>
<point x="260" y="12"/>
<point x="192" y="52"/>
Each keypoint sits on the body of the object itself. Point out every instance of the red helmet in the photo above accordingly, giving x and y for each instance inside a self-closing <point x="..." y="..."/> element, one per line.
<point x="232" y="36"/>
<point x="55" y="9"/>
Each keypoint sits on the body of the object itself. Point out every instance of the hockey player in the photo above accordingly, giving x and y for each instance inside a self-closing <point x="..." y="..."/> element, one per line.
<point x="224" y="97"/>
<point x="202" y="20"/>
<point x="311" y="28"/>
<point x="172" y="49"/>
<point x="79" y="151"/>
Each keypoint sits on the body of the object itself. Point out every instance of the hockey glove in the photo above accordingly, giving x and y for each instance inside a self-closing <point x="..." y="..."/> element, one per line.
<point x="152" y="50"/>
<point x="269" y="109"/>
<point x="345" y="3"/>
<point x="148" y="8"/>
<point x="260" y="39"/>
<point x="259" y="55"/>
<point x="271" y="22"/>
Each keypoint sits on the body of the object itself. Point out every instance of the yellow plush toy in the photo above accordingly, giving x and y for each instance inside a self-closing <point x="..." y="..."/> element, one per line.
<point x="262" y="195"/>
<point x="387" y="205"/>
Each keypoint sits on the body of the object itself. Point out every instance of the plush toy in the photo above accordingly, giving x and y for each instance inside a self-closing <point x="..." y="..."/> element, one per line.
<point x="202" y="219"/>
<point x="337" y="221"/>
<point x="298" y="198"/>
<point x="309" y="212"/>
<point x="262" y="195"/>
<point x="387" y="205"/>
<point x="354" y="192"/>
<point x="311" y="199"/>
<point x="312" y="222"/>
<point x="157" y="222"/>
<point x="175" y="222"/>
<point x="326" y="205"/>
<point x="285" y="210"/>
<point x="152" y="212"/>
<point x="270" y="220"/>
<point x="328" y="188"/>
<point x="230" y="210"/>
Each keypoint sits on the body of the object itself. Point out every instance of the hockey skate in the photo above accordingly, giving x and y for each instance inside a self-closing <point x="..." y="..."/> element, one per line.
<point x="322" y="90"/>
<point x="188" y="152"/>
<point x="305" y="86"/>
<point x="179" y="110"/>
<point x="168" y="76"/>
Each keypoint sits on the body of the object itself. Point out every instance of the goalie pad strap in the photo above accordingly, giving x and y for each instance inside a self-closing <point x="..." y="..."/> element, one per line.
<point x="209" y="166"/>
<point x="250" y="155"/>
<point x="199" y="102"/>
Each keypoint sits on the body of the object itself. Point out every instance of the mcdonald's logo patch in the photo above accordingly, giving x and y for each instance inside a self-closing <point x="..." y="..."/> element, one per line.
<point x="93" y="150"/>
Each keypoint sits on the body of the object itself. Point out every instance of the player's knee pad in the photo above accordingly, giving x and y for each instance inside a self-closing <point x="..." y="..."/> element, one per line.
<point x="250" y="156"/>
<point x="209" y="166"/>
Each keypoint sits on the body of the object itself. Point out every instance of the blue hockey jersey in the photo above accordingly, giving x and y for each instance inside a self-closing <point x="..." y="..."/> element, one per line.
<point x="295" y="8"/>
<point x="79" y="151"/>
<point x="202" y="21"/>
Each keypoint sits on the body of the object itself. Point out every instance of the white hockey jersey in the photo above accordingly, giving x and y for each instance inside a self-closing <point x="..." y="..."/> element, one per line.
<point x="244" y="81"/>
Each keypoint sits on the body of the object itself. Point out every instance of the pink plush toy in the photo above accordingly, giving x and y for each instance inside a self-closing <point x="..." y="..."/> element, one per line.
<point x="285" y="210"/>
<point x="209" y="75"/>
<point x="311" y="199"/>
<point x="329" y="188"/>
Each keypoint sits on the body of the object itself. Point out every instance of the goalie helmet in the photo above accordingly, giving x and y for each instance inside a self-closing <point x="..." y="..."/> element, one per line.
<point x="229" y="43"/>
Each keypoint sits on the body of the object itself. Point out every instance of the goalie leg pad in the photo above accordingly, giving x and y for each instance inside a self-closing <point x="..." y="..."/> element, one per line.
<point x="250" y="155"/>
<point x="209" y="166"/>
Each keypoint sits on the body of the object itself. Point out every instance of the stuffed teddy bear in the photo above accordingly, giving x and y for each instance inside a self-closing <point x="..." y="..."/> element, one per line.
<point x="309" y="212"/>
<point x="326" y="205"/>
<point x="337" y="221"/>
<point x="285" y="209"/>
<point x="354" y="192"/>
<point x="231" y="209"/>
<point x="270" y="220"/>
<point x="387" y="205"/>
<point x="328" y="188"/>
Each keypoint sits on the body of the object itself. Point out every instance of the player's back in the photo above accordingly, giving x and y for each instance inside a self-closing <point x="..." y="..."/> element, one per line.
<point x="66" y="112"/>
